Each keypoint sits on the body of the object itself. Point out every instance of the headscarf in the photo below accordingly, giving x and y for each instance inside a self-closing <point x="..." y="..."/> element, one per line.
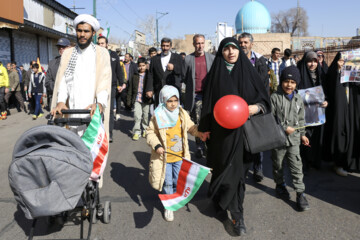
<point x="164" y="117"/>
<point x="324" y="66"/>
<point x="86" y="18"/>
<point x="229" y="66"/>
<point x="306" y="74"/>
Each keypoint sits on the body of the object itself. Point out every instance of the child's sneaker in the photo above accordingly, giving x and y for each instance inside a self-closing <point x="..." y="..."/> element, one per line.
<point x="136" y="137"/>
<point x="302" y="202"/>
<point x="34" y="117"/>
<point x="340" y="171"/>
<point x="144" y="134"/>
<point x="40" y="115"/>
<point x="282" y="192"/>
<point x="117" y="117"/>
<point x="169" y="215"/>
<point x="3" y="116"/>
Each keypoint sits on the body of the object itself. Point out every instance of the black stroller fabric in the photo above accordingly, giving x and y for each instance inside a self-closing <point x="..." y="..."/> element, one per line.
<point x="49" y="170"/>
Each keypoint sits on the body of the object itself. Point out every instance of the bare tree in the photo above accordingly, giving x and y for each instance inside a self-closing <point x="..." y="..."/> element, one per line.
<point x="293" y="21"/>
<point x="148" y="26"/>
<point x="116" y="40"/>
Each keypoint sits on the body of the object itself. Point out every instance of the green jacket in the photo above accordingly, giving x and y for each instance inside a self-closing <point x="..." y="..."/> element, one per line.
<point x="290" y="113"/>
<point x="14" y="81"/>
<point x="4" y="78"/>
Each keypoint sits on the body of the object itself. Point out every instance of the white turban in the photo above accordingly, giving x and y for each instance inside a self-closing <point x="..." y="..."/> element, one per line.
<point x="86" y="18"/>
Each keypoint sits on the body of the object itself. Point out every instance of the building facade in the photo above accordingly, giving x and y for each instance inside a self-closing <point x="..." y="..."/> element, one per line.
<point x="30" y="29"/>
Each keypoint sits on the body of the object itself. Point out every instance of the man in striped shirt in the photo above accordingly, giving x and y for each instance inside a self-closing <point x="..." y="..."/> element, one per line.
<point x="275" y="61"/>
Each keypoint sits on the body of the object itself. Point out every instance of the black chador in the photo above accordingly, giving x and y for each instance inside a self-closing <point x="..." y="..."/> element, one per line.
<point x="226" y="153"/>
<point x="342" y="129"/>
<point x="311" y="155"/>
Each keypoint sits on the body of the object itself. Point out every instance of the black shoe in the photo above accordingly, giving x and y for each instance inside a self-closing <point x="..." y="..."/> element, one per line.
<point x="25" y="111"/>
<point x="8" y="113"/>
<point x="239" y="227"/>
<point x="301" y="202"/>
<point x="258" y="176"/>
<point x="199" y="153"/>
<point x="282" y="192"/>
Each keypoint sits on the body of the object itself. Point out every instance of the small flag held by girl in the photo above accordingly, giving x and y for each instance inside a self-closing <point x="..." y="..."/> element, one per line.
<point x="191" y="176"/>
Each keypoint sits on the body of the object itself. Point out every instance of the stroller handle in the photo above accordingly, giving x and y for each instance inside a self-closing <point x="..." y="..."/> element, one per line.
<point x="75" y="111"/>
<point x="70" y="121"/>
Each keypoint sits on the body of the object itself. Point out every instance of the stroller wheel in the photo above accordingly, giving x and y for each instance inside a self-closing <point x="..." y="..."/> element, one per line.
<point x="107" y="212"/>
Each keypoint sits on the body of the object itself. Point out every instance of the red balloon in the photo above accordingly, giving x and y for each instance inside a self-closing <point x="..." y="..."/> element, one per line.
<point x="231" y="111"/>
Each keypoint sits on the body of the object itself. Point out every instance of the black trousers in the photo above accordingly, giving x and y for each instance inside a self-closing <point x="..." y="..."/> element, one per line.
<point x="2" y="99"/>
<point x="112" y="103"/>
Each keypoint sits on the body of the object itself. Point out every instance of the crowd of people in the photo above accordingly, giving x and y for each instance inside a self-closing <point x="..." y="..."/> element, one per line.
<point x="182" y="91"/>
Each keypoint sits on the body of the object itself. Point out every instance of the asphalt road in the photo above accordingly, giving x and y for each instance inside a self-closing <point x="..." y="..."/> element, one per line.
<point x="137" y="211"/>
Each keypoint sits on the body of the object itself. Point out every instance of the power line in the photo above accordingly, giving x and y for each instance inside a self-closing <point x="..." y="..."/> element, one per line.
<point x="115" y="9"/>
<point x="127" y="5"/>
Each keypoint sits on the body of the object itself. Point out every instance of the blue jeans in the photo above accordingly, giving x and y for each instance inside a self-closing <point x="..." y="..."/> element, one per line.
<point x="38" y="108"/>
<point x="171" y="177"/>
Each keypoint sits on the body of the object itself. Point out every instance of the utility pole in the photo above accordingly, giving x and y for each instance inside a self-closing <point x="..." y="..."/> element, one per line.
<point x="94" y="15"/>
<point x="157" y="26"/>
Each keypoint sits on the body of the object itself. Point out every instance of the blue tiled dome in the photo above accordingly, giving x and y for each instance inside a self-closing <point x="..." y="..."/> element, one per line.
<point x="253" y="17"/>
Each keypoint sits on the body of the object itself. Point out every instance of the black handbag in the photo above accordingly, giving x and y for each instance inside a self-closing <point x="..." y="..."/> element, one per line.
<point x="262" y="133"/>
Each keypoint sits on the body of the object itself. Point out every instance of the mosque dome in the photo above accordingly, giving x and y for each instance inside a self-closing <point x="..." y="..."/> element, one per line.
<point x="253" y="17"/>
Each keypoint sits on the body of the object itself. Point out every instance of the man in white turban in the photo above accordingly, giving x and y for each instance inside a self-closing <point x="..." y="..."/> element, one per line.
<point x="83" y="80"/>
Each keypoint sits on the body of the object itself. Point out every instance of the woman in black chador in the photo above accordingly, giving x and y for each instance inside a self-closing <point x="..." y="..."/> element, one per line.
<point x="311" y="76"/>
<point x="230" y="74"/>
<point x="342" y="128"/>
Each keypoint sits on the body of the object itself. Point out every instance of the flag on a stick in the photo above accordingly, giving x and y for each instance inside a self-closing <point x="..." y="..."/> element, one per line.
<point x="96" y="141"/>
<point x="191" y="176"/>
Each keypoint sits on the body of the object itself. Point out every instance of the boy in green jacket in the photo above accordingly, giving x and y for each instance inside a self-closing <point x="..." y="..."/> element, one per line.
<point x="287" y="105"/>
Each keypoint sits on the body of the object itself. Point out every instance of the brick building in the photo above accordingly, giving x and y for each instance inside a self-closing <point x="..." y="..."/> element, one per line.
<point x="29" y="29"/>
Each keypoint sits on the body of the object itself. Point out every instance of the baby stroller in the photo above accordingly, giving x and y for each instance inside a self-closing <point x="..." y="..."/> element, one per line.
<point x="50" y="174"/>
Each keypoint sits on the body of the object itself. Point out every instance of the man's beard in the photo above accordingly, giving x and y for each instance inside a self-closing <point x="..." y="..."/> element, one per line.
<point x="85" y="45"/>
<point x="245" y="50"/>
<point x="165" y="53"/>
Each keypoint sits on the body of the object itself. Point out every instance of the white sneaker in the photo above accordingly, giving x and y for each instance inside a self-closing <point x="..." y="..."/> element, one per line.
<point x="117" y="117"/>
<point x="341" y="172"/>
<point x="169" y="215"/>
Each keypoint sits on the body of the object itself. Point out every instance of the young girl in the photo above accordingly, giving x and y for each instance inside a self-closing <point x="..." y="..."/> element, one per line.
<point x="167" y="135"/>
<point x="37" y="90"/>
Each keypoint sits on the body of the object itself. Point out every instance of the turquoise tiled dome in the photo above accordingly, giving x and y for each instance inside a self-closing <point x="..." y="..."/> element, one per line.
<point x="253" y="17"/>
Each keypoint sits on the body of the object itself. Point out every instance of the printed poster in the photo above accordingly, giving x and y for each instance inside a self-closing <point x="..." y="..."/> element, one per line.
<point x="350" y="72"/>
<point x="313" y="99"/>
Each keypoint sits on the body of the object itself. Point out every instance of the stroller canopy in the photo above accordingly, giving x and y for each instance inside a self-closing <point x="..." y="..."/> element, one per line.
<point x="49" y="170"/>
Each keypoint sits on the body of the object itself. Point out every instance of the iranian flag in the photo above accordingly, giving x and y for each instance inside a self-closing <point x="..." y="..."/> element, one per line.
<point x="191" y="176"/>
<point x="96" y="141"/>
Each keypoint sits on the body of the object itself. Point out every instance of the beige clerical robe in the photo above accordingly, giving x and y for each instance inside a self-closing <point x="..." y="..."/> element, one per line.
<point x="102" y="78"/>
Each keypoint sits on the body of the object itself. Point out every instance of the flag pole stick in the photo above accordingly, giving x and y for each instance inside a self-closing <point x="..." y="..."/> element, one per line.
<point x="180" y="157"/>
<point x="311" y="125"/>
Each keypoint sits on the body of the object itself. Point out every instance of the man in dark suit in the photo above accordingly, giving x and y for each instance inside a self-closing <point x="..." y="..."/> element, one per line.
<point x="130" y="68"/>
<point x="117" y="83"/>
<point x="165" y="69"/>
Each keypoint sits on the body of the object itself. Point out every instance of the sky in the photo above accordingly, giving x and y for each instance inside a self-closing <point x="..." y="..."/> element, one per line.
<point x="327" y="18"/>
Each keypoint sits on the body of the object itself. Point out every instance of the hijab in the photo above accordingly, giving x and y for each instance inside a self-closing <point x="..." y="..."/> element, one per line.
<point x="307" y="76"/>
<point x="229" y="66"/>
<point x="323" y="65"/>
<point x="164" y="117"/>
